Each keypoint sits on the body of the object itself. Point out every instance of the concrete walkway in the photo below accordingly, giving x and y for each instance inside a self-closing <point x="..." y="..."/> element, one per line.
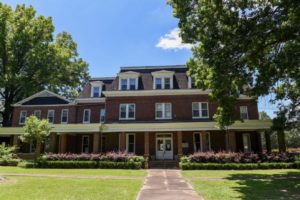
<point x="166" y="185"/>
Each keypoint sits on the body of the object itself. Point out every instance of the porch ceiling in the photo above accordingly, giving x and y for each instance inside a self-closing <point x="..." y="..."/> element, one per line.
<point x="184" y="126"/>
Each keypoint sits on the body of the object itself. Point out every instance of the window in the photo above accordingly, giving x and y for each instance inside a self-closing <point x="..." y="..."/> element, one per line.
<point x="244" y="112"/>
<point x="130" y="143"/>
<point x="163" y="111"/>
<point x="200" y="110"/>
<point x="129" y="84"/>
<point x="85" y="144"/>
<point x="37" y="113"/>
<point x="163" y="83"/>
<point x="127" y="111"/>
<point x="50" y="116"/>
<point x="96" y="91"/>
<point x="192" y="82"/>
<point x="23" y="115"/>
<point x="102" y="115"/>
<point x="64" y="116"/>
<point x="86" y="116"/>
<point x="197" y="142"/>
<point x="247" y="143"/>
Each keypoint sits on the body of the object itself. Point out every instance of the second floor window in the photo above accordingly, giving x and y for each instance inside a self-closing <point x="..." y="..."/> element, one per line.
<point x="200" y="109"/>
<point x="102" y="115"/>
<point x="64" y="116"/>
<point x="244" y="112"/>
<point x="127" y="111"/>
<point x="192" y="82"/>
<point x="23" y="115"/>
<point x="86" y="116"/>
<point x="50" y="116"/>
<point x="163" y="111"/>
<point x="37" y="113"/>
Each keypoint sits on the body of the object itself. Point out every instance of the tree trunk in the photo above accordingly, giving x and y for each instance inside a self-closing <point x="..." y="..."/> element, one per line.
<point x="268" y="141"/>
<point x="7" y="113"/>
<point x="38" y="149"/>
<point x="281" y="141"/>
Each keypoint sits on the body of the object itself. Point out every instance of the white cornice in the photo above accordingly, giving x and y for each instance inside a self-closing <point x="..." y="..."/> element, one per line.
<point x="163" y="73"/>
<point x="90" y="100"/>
<point x="128" y="74"/>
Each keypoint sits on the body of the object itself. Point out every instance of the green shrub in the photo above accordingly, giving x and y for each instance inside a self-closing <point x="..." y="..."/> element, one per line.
<point x="8" y="157"/>
<point x="184" y="159"/>
<point x="237" y="166"/>
<point x="120" y="165"/>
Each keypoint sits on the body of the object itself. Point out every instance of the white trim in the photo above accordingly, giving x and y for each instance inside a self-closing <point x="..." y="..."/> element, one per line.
<point x="127" y="76"/>
<point x="88" y="137"/>
<point x="164" y="138"/>
<point x="49" y="105"/>
<point x="246" y="109"/>
<point x="163" y="74"/>
<point x="163" y="111"/>
<point x="61" y="116"/>
<point x="96" y="84"/>
<point x="89" y="121"/>
<point x="90" y="100"/>
<point x="127" y="142"/>
<point x="35" y="111"/>
<point x="127" y="111"/>
<point x="53" y="116"/>
<point x="22" y="111"/>
<point x="39" y="94"/>
<point x="200" y="111"/>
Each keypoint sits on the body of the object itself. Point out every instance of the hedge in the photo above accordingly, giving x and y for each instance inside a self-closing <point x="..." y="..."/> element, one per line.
<point x="13" y="162"/>
<point x="85" y="164"/>
<point x="238" y="166"/>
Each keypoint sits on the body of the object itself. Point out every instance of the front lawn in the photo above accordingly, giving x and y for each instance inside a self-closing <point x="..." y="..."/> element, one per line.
<point x="73" y="187"/>
<point x="248" y="185"/>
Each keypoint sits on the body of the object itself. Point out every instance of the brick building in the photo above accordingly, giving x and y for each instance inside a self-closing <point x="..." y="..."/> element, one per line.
<point x="152" y="111"/>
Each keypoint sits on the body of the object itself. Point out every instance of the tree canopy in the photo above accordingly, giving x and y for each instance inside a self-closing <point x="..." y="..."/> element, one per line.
<point x="32" y="58"/>
<point x="250" y="47"/>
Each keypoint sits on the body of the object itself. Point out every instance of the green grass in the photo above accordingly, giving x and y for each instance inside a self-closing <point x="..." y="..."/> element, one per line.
<point x="33" y="188"/>
<point x="253" y="184"/>
<point x="94" y="172"/>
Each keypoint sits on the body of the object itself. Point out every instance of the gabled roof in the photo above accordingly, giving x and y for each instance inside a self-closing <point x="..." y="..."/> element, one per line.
<point x="44" y="93"/>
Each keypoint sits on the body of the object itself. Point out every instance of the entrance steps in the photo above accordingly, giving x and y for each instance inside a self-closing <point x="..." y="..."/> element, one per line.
<point x="163" y="164"/>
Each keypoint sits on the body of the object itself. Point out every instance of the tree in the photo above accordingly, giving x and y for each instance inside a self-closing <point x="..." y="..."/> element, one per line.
<point x="250" y="47"/>
<point x="33" y="59"/>
<point x="264" y="116"/>
<point x="35" y="131"/>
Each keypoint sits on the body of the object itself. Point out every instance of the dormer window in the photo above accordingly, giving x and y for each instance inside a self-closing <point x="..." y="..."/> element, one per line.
<point x="96" y="89"/>
<point x="162" y="80"/>
<point x="128" y="80"/>
<point x="192" y="82"/>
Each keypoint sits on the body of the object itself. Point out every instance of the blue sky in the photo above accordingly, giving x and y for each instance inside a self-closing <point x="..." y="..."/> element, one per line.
<point x="115" y="33"/>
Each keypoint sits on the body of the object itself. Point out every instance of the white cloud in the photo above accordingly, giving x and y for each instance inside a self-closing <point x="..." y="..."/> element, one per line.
<point x="173" y="41"/>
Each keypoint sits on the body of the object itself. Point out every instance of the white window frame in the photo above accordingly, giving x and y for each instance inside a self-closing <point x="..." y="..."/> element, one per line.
<point x="96" y="84"/>
<point x="248" y="137"/>
<point x="102" y="110"/>
<point x="246" y="109"/>
<point x="61" y="117"/>
<point x="163" y="82"/>
<point x="85" y="136"/>
<point x="49" y="111"/>
<point x="37" y="111"/>
<point x="127" y="111"/>
<point x="128" y="83"/>
<point x="190" y="82"/>
<point x="200" y="110"/>
<point x="22" y="111"/>
<point x="127" y="142"/>
<point x="83" y="118"/>
<point x="163" y="111"/>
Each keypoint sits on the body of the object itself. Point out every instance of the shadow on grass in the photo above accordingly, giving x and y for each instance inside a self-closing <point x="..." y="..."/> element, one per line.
<point x="284" y="186"/>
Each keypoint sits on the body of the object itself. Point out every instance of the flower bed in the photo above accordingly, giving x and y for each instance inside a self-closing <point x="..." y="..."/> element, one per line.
<point x="232" y="160"/>
<point x="110" y="160"/>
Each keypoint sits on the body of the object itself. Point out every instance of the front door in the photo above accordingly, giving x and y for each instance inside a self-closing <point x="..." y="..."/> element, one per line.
<point x="164" y="146"/>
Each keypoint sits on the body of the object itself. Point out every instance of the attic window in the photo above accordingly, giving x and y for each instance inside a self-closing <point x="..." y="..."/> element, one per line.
<point x="163" y="80"/>
<point x="96" y="89"/>
<point x="128" y="80"/>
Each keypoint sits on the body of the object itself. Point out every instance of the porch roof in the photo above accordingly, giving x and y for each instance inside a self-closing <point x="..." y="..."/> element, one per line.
<point x="184" y="126"/>
<point x="143" y="127"/>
